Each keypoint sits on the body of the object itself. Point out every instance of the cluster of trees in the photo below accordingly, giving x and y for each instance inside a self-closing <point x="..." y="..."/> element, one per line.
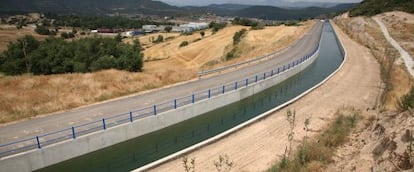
<point x="55" y="56"/>
<point x="247" y="22"/>
<point x="373" y="7"/>
<point x="43" y="30"/>
<point x="244" y="22"/>
<point x="100" y="22"/>
<point x="159" y="39"/>
<point x="216" y="26"/>
<point x="238" y="36"/>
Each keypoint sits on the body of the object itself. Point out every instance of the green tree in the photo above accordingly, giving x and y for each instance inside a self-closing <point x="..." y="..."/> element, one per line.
<point x="118" y="38"/>
<point x="167" y="30"/>
<point x="16" y="59"/>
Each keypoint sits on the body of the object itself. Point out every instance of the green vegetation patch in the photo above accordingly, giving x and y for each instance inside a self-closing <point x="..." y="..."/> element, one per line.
<point x="56" y="56"/>
<point x="373" y="7"/>
<point x="183" y="44"/>
<point x="216" y="26"/>
<point x="407" y="101"/>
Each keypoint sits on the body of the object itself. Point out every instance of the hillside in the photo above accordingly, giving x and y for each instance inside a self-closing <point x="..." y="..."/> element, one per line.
<point x="150" y="7"/>
<point x="209" y="51"/>
<point x="88" y="7"/>
<point x="373" y="7"/>
<point x="276" y="13"/>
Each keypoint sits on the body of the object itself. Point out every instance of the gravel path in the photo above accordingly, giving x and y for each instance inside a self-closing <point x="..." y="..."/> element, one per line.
<point x="408" y="60"/>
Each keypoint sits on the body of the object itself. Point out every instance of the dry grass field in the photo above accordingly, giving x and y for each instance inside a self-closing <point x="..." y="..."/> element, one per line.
<point x="9" y="33"/>
<point x="27" y="96"/>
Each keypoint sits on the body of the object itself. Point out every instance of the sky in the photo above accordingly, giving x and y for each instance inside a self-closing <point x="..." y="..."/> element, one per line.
<point x="251" y="2"/>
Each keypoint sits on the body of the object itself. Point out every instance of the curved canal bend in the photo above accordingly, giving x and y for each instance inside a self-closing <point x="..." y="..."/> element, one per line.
<point x="151" y="147"/>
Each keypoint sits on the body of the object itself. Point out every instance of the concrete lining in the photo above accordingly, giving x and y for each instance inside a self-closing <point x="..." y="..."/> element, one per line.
<point x="251" y="121"/>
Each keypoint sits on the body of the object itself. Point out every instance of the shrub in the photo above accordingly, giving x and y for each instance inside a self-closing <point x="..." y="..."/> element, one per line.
<point x="159" y="39"/>
<point x="183" y="44"/>
<point x="66" y="35"/>
<point x="238" y="36"/>
<point x="43" y="30"/>
<point x="406" y="101"/>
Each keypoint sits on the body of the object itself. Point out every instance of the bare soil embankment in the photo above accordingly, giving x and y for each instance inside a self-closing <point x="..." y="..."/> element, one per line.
<point x="261" y="144"/>
<point x="366" y="31"/>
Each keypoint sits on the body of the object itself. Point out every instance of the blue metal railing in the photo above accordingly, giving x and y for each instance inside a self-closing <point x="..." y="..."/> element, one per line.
<point x="74" y="132"/>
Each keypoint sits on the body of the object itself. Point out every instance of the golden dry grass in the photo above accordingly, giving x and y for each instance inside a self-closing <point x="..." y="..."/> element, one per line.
<point x="213" y="47"/>
<point x="28" y="96"/>
<point x="9" y="33"/>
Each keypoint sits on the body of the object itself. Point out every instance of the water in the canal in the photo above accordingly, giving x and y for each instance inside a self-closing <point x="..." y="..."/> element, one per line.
<point x="148" y="148"/>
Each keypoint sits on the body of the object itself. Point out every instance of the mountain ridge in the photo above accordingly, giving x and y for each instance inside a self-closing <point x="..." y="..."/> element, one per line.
<point x="150" y="7"/>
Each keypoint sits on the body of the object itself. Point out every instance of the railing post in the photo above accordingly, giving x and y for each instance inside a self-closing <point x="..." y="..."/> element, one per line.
<point x="193" y="98"/>
<point x="256" y="78"/>
<point x="283" y="68"/>
<point x="155" y="109"/>
<point x="264" y="76"/>
<point x="271" y="74"/>
<point x="130" y="117"/>
<point x="38" y="142"/>
<point x="278" y="70"/>
<point x="175" y="103"/>
<point x="73" y="133"/>
<point x="247" y="82"/>
<point x="209" y="93"/>
<point x="103" y="123"/>
<point x="224" y="89"/>
<point x="235" y="85"/>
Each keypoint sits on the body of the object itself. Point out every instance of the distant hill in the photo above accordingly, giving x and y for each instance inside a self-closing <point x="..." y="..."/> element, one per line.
<point x="373" y="7"/>
<point x="88" y="7"/>
<point x="276" y="13"/>
<point x="150" y="7"/>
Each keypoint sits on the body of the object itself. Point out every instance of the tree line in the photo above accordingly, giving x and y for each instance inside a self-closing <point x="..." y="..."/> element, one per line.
<point x="55" y="56"/>
<point x="85" y="22"/>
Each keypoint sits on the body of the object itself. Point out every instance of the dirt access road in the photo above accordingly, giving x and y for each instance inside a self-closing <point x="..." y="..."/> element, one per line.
<point x="31" y="128"/>
<point x="261" y="144"/>
<point x="408" y="60"/>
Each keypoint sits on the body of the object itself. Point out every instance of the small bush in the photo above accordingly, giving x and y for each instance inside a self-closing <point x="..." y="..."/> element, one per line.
<point x="230" y="55"/>
<point x="406" y="101"/>
<point x="66" y="35"/>
<point x="43" y="30"/>
<point x="183" y="44"/>
<point x="238" y="36"/>
<point x="159" y="39"/>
